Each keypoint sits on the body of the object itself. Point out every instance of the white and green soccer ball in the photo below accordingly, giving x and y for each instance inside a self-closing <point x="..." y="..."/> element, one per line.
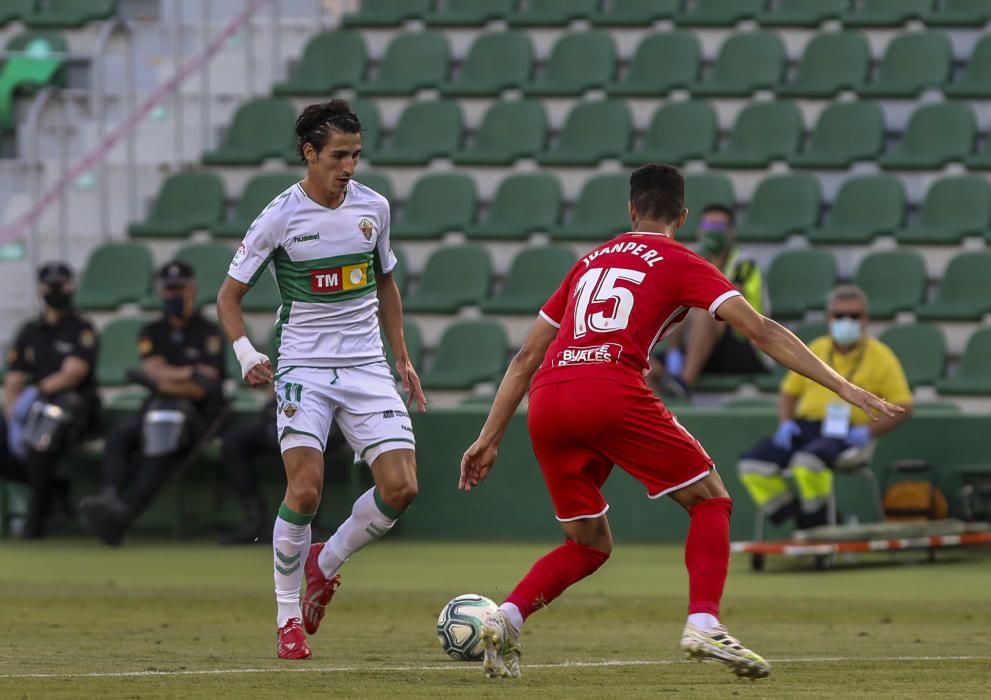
<point x="459" y="627"/>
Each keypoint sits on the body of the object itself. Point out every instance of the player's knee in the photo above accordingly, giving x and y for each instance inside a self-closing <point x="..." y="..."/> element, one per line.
<point x="305" y="497"/>
<point x="400" y="495"/>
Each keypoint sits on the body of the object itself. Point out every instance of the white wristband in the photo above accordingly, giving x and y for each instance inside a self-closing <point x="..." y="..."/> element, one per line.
<point x="247" y="356"/>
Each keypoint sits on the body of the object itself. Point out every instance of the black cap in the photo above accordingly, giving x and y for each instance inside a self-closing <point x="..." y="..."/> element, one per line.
<point x="54" y="272"/>
<point x="175" y="273"/>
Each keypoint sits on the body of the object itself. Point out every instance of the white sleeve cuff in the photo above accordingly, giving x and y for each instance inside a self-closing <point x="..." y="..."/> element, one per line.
<point x="549" y="319"/>
<point x="720" y="299"/>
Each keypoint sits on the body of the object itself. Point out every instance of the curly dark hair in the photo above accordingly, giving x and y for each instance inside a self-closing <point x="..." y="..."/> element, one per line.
<point x="316" y="122"/>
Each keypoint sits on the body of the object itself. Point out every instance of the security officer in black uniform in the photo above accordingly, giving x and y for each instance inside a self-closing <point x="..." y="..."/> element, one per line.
<point x="49" y="395"/>
<point x="182" y="363"/>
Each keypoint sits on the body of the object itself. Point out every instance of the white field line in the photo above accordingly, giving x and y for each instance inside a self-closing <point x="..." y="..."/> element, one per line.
<point x="454" y="666"/>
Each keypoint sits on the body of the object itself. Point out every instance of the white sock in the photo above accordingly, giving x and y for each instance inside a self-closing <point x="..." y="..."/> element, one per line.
<point x="290" y="545"/>
<point x="703" y="621"/>
<point x="513" y="614"/>
<point x="370" y="519"/>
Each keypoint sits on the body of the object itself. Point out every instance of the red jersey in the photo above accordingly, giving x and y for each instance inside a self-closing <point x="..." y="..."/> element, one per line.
<point x="619" y="300"/>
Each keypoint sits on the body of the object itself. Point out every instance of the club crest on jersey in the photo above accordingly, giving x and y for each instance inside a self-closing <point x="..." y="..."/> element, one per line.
<point x="339" y="279"/>
<point x="597" y="354"/>
<point x="366" y="227"/>
<point x="290" y="410"/>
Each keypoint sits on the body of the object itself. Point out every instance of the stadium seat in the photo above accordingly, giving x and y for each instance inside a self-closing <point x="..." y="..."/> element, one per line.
<point x="257" y="194"/>
<point x="469" y="352"/>
<point x="937" y="407"/>
<point x="524" y="203"/>
<point x="510" y="129"/>
<point x="379" y="182"/>
<point x="439" y="202"/>
<point x="844" y="133"/>
<point x="57" y="14"/>
<point x="469" y="13"/>
<point x="454" y="276"/>
<point x="116" y="273"/>
<point x="831" y="62"/>
<point x="495" y="62"/>
<point x="263" y="296"/>
<point x="702" y="190"/>
<point x="593" y="131"/>
<point x="799" y="281"/>
<point x="974" y="375"/>
<point x="12" y="10"/>
<point x="975" y="82"/>
<point x="747" y="62"/>
<point x="414" y="346"/>
<point x="885" y="13"/>
<point x="579" y="61"/>
<point x="718" y="13"/>
<point x="210" y="262"/>
<point x="661" y="63"/>
<point x="965" y="291"/>
<point x="801" y="13"/>
<point x="912" y="62"/>
<point x="39" y="63"/>
<point x="893" y="280"/>
<point x="781" y="205"/>
<point x="330" y="61"/>
<point x="763" y="132"/>
<point x="600" y="212"/>
<point x="118" y="351"/>
<point x="263" y="128"/>
<point x="864" y="208"/>
<point x="954" y="208"/>
<point x="921" y="349"/>
<point x="959" y="13"/>
<point x="810" y="330"/>
<point x="426" y="130"/>
<point x="371" y="126"/>
<point x="412" y="61"/>
<point x="634" y="13"/>
<point x="551" y="13"/>
<point x="386" y="13"/>
<point x="188" y="201"/>
<point x="679" y="131"/>
<point x="936" y="135"/>
<point x="534" y="275"/>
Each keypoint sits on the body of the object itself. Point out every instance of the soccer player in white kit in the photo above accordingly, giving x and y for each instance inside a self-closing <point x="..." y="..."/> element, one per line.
<point x="327" y="239"/>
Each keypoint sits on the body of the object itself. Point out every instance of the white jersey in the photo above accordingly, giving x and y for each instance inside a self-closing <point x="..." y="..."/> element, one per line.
<point x="325" y="262"/>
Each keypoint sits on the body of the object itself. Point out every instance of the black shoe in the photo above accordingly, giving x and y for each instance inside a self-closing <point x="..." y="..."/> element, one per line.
<point x="107" y="518"/>
<point x="806" y="521"/>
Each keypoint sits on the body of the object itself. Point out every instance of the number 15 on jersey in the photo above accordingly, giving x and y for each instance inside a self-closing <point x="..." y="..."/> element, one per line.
<point x="599" y="285"/>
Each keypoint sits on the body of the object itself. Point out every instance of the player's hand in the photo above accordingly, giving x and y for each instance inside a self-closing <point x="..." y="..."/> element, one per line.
<point x="871" y="405"/>
<point x="476" y="464"/>
<point x="260" y="374"/>
<point x="411" y="384"/>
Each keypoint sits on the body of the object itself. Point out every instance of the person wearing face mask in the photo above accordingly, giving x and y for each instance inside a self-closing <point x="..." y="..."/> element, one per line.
<point x="182" y="364"/>
<point x="49" y="395"/>
<point x="816" y="429"/>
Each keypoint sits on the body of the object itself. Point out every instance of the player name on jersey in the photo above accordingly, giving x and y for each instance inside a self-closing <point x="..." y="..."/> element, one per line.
<point x="641" y="250"/>
<point x="608" y="352"/>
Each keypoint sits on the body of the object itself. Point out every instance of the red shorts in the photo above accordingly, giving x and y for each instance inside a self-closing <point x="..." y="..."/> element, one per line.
<point x="581" y="428"/>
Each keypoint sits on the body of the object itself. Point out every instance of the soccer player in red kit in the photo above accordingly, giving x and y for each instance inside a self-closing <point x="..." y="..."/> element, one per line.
<point x="590" y="408"/>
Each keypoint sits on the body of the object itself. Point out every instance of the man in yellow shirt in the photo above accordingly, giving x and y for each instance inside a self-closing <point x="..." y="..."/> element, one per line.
<point x="816" y="427"/>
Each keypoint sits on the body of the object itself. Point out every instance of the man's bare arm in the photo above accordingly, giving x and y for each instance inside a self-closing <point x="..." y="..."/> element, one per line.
<point x="70" y="374"/>
<point x="391" y="318"/>
<point x="256" y="368"/>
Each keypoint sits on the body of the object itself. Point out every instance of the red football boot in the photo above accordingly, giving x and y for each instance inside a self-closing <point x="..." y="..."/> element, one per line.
<point x="292" y="641"/>
<point x="319" y="590"/>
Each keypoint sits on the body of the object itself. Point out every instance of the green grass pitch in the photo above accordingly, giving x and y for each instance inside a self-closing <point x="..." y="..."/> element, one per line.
<point x="196" y="620"/>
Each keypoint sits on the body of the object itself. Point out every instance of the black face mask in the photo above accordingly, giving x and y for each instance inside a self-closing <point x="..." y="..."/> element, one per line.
<point x="57" y="298"/>
<point x="175" y="307"/>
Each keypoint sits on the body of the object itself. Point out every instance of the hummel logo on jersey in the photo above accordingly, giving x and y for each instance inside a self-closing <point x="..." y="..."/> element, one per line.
<point x="337" y="279"/>
<point x="306" y="237"/>
<point x="599" y="354"/>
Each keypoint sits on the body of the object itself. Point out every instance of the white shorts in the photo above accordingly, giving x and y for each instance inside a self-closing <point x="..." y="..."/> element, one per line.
<point x="362" y="400"/>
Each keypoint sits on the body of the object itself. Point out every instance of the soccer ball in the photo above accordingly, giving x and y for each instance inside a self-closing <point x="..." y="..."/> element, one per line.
<point x="459" y="627"/>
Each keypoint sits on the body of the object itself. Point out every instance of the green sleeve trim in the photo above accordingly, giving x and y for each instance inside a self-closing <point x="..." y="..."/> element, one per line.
<point x="381" y="442"/>
<point x="261" y="268"/>
<point x="291" y="516"/>
<point x="387" y="510"/>
<point x="287" y="430"/>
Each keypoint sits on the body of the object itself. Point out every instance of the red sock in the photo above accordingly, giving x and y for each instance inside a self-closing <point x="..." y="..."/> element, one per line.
<point x="554" y="572"/>
<point x="707" y="554"/>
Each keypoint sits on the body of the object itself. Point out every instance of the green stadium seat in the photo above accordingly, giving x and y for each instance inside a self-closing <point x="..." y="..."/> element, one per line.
<point x="885" y="13"/>
<point x="801" y="13"/>
<point x="523" y="204"/>
<point x="579" y="61"/>
<point x="187" y="202"/>
<point x="495" y="62"/>
<point x="534" y="275"/>
<point x="426" y="130"/>
<point x="763" y="132"/>
<point x="799" y="281"/>
<point x="634" y="13"/>
<point x="832" y="61"/>
<point x="865" y="207"/>
<point x="257" y="194"/>
<point x="401" y="270"/>
<point x="893" y="280"/>
<point x="936" y="135"/>
<point x="371" y="125"/>
<point x="263" y="128"/>
<point x="412" y="61"/>
<point x="469" y="352"/>
<point x="965" y="291"/>
<point x="781" y="205"/>
<point x="959" y="13"/>
<point x="844" y="133"/>
<point x="414" y="346"/>
<point x="551" y="13"/>
<point x="12" y="10"/>
<point x="65" y="14"/>
<point x="264" y="295"/>
<point x="701" y="191"/>
<point x="510" y="129"/>
<point x="330" y="61"/>
<point x="118" y="351"/>
<point x="810" y="330"/>
<point x="661" y="63"/>
<point x="439" y="203"/>
<point x="386" y="13"/>
<point x="454" y="276"/>
<point x="469" y="13"/>
<point x="679" y="131"/>
<point x="974" y="375"/>
<point x="601" y="211"/>
<point x="115" y="274"/>
<point x="210" y="262"/>
<point x="39" y="63"/>
<point x="912" y="62"/>
<point x="975" y="82"/>
<point x="954" y="208"/>
<point x="593" y="131"/>
<point x="746" y="62"/>
<point x="750" y="403"/>
<point x="718" y="13"/>
<point x="921" y="349"/>
<point x="379" y="182"/>
<point x="928" y="408"/>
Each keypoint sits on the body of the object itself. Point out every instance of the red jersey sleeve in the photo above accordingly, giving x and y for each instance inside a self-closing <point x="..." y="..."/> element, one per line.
<point x="703" y="285"/>
<point x="553" y="309"/>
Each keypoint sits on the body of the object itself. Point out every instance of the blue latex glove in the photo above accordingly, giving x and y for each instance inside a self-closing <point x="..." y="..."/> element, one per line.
<point x="674" y="362"/>
<point x="784" y="434"/>
<point x="23" y="404"/>
<point x="859" y="436"/>
<point x="18" y="417"/>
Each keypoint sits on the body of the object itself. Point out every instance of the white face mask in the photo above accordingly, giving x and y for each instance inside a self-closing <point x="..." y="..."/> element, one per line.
<point x="845" y="331"/>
